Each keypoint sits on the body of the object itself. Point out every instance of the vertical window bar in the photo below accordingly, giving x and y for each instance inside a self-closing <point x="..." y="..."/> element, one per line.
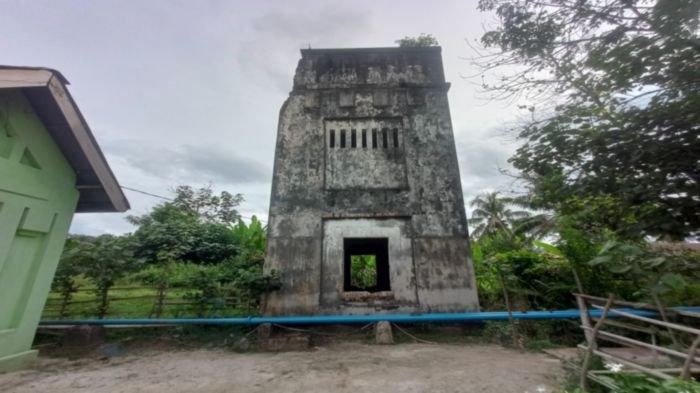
<point x="395" y="131"/>
<point x="353" y="138"/>
<point x="342" y="139"/>
<point x="332" y="139"/>
<point x="374" y="138"/>
<point x="385" y="138"/>
<point x="364" y="138"/>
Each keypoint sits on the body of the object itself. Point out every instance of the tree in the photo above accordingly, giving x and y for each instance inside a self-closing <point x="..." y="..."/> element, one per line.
<point x="195" y="227"/>
<point x="492" y="214"/>
<point x="423" y="40"/>
<point x="64" y="281"/>
<point x="656" y="273"/>
<point x="251" y="237"/>
<point x="245" y="270"/>
<point x="203" y="203"/>
<point x="621" y="77"/>
<point x="104" y="260"/>
<point x="213" y="243"/>
<point x="165" y="233"/>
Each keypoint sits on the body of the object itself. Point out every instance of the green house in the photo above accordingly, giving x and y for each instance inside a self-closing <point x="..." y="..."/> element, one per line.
<point x="50" y="168"/>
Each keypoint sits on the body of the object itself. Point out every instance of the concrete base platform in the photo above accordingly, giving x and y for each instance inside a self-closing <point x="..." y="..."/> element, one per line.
<point x="17" y="361"/>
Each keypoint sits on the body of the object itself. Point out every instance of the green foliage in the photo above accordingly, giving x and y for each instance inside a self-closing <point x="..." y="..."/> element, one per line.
<point x="171" y="274"/>
<point x="363" y="271"/>
<point x="422" y="40"/>
<point x="246" y="269"/>
<point x="242" y="273"/>
<point x="194" y="227"/>
<point x="213" y="243"/>
<point x="534" y="278"/>
<point x="537" y="281"/>
<point x="206" y="291"/>
<point x="616" y="145"/>
<point x="207" y="206"/>
<point x="489" y="284"/>
<point x="254" y="284"/>
<point x="102" y="259"/>
<point x="166" y="233"/>
<point x="542" y="275"/>
<point x="169" y="233"/>
<point x="208" y="285"/>
<point x="500" y="242"/>
<point x="672" y="276"/>
<point x="64" y="281"/>
<point x="68" y="269"/>
<point x="493" y="215"/>
<point x="609" y="152"/>
<point x="640" y="383"/>
<point x="534" y="335"/>
<point x="577" y="248"/>
<point x="575" y="244"/>
<point x="196" y="244"/>
<point x="251" y="237"/>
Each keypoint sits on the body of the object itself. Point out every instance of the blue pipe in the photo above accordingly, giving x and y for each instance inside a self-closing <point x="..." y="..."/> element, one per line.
<point x="354" y="319"/>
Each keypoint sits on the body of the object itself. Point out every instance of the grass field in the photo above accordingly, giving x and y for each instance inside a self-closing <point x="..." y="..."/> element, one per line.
<point x="138" y="302"/>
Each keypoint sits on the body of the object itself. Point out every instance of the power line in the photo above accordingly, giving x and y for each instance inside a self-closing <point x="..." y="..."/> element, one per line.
<point x="171" y="200"/>
<point x="147" y="193"/>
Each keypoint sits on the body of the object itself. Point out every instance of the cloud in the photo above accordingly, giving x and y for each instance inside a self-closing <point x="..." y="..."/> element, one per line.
<point x="482" y="159"/>
<point x="277" y="35"/>
<point x="156" y="169"/>
<point x="294" y="23"/>
<point x="189" y="92"/>
<point x="187" y="164"/>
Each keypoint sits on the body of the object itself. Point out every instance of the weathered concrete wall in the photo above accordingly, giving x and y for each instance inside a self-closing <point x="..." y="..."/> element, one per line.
<point x="323" y="191"/>
<point x="364" y="154"/>
<point x="403" y="294"/>
<point x="444" y="276"/>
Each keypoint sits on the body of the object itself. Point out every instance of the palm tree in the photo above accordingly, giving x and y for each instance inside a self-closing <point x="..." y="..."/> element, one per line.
<point x="534" y="226"/>
<point x="493" y="214"/>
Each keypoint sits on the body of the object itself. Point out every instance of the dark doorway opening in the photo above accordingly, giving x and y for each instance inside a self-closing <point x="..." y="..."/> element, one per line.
<point x="366" y="264"/>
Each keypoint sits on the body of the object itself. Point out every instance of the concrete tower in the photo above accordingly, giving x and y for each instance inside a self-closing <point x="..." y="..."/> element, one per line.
<point x="366" y="212"/>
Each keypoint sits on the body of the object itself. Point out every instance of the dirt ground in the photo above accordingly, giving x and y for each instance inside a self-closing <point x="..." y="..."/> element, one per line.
<point x="342" y="367"/>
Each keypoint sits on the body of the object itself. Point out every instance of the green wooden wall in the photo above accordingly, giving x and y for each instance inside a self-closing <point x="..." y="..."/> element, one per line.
<point x="37" y="201"/>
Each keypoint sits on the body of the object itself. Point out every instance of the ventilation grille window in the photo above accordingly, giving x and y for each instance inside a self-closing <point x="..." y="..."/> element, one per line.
<point x="365" y="154"/>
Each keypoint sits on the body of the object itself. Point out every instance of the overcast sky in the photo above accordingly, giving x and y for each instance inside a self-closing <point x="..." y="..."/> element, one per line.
<point x="188" y="92"/>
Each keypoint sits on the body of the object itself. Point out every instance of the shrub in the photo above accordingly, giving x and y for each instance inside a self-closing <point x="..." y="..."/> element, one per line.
<point x="206" y="292"/>
<point x="640" y="383"/>
<point x="68" y="269"/>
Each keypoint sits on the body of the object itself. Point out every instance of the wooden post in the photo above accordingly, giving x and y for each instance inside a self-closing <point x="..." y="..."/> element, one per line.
<point x="685" y="374"/>
<point x="159" y="301"/>
<point x="506" y="298"/>
<point x="662" y="312"/>
<point x="65" y="302"/>
<point x="103" y="306"/>
<point x="585" y="317"/>
<point x="591" y="338"/>
<point x="654" y="352"/>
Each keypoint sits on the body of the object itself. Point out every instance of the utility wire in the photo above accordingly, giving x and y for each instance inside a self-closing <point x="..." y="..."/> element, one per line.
<point x="170" y="199"/>
<point x="147" y="193"/>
